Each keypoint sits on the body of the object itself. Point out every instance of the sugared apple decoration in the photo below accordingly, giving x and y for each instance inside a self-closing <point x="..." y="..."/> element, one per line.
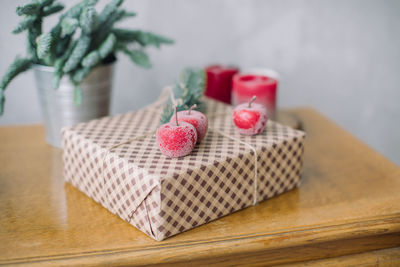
<point x="250" y="118"/>
<point x="176" y="139"/>
<point x="195" y="118"/>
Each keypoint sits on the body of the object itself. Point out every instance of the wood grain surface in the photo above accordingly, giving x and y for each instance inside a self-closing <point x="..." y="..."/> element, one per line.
<point x="348" y="203"/>
<point x="385" y="257"/>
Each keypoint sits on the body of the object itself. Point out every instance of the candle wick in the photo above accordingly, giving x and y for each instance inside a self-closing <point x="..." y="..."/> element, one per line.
<point x="190" y="109"/>
<point x="176" y="115"/>
<point x="252" y="100"/>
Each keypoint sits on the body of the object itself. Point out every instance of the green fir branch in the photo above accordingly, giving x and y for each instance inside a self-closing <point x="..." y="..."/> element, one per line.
<point x="91" y="59"/>
<point x="78" y="95"/>
<point x="44" y="44"/>
<point x="33" y="33"/>
<point x="108" y="10"/>
<point x="57" y="76"/>
<point x="88" y="20"/>
<point x="77" y="54"/>
<point x="187" y="91"/>
<point x="80" y="74"/>
<point x="125" y="35"/>
<point x="108" y="46"/>
<point x="68" y="26"/>
<point x="28" y="9"/>
<point x="120" y="15"/>
<point x="19" y="65"/>
<point x="74" y="12"/>
<point x="106" y="27"/>
<point x="25" y="24"/>
<point x="138" y="56"/>
<point x="2" y="102"/>
<point x="49" y="10"/>
<point x="44" y="3"/>
<point x="105" y="49"/>
<point x="143" y="38"/>
<point x="126" y="14"/>
<point x="59" y="64"/>
<point x="148" y="38"/>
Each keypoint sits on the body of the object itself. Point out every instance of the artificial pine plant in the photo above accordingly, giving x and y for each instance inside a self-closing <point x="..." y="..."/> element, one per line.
<point x="81" y="40"/>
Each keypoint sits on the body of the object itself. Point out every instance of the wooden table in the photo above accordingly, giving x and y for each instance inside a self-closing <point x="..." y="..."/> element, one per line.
<point x="346" y="211"/>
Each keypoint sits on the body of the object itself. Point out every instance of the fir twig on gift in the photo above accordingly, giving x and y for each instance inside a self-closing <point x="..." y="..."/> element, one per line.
<point x="186" y="92"/>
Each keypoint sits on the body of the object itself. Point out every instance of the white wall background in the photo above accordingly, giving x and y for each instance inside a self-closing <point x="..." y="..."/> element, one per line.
<point x="340" y="57"/>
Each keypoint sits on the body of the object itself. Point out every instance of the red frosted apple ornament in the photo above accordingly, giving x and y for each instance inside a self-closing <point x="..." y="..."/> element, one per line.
<point x="195" y="118"/>
<point x="176" y="139"/>
<point x="250" y="118"/>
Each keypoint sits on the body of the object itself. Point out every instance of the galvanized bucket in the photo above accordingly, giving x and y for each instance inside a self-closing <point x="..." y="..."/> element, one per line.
<point x="58" y="105"/>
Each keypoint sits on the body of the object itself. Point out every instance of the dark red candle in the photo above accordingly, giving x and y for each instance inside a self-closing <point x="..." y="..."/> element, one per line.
<point x="219" y="82"/>
<point x="245" y="86"/>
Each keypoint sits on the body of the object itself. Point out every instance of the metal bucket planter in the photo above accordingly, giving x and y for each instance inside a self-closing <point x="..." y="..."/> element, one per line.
<point x="58" y="105"/>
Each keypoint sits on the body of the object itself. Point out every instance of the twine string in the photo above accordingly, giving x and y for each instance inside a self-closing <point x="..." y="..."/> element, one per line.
<point x="108" y="150"/>
<point x="174" y="102"/>
<point x="255" y="194"/>
<point x="255" y="161"/>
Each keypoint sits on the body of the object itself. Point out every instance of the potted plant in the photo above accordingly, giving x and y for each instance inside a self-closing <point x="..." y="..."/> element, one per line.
<point x="72" y="62"/>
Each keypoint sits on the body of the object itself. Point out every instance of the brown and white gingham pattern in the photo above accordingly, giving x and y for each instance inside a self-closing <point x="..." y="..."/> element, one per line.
<point x="163" y="196"/>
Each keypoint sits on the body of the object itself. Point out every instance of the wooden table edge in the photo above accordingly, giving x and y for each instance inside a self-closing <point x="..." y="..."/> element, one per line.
<point x="384" y="230"/>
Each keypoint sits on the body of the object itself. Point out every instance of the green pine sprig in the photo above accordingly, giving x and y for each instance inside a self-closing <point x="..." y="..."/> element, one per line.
<point x="141" y="37"/>
<point x="19" y="65"/>
<point x="28" y="9"/>
<point x="69" y="26"/>
<point x="43" y="45"/>
<point x="88" y="20"/>
<point x="51" y="9"/>
<point x="137" y="56"/>
<point x="25" y="24"/>
<point x="187" y="91"/>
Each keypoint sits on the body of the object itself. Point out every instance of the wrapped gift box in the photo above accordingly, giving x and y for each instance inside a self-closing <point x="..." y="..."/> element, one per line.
<point x="116" y="162"/>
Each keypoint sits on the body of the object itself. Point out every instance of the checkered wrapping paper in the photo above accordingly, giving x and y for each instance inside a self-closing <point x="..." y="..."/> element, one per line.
<point x="165" y="196"/>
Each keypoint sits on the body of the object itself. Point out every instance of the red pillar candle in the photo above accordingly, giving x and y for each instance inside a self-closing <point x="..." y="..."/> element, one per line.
<point x="245" y="86"/>
<point x="219" y="82"/>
